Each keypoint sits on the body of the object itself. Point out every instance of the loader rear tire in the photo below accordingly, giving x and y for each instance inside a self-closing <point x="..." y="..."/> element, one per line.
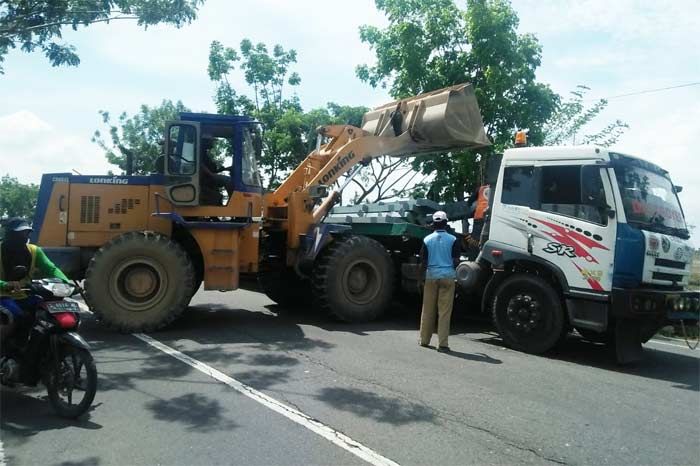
<point x="139" y="282"/>
<point x="354" y="279"/>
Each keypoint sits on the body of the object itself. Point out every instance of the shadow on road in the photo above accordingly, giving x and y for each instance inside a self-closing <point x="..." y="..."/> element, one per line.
<point x="680" y="369"/>
<point x="90" y="461"/>
<point x="370" y="405"/>
<point x="197" y="412"/>
<point x="24" y="415"/>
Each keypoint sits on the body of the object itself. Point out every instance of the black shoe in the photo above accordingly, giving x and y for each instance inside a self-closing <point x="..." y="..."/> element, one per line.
<point x="425" y="345"/>
<point x="443" y="349"/>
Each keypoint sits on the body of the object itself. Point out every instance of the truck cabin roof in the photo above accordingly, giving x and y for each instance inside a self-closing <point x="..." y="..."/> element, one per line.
<point x="562" y="153"/>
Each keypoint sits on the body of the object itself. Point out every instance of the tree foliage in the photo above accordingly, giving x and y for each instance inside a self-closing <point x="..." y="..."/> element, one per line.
<point x="430" y="44"/>
<point x="568" y="122"/>
<point x="17" y="199"/>
<point x="290" y="133"/>
<point x="38" y="25"/>
<point x="139" y="135"/>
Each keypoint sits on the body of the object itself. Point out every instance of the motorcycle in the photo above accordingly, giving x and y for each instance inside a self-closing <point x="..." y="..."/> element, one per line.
<point x="47" y="348"/>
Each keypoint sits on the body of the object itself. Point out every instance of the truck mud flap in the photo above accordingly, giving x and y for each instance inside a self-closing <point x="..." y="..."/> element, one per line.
<point x="628" y="341"/>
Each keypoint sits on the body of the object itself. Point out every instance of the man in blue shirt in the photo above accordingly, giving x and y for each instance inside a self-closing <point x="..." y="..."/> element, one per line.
<point x="439" y="256"/>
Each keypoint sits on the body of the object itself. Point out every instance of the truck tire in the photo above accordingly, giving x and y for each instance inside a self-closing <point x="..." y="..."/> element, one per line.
<point x="139" y="282"/>
<point x="354" y="279"/>
<point x="528" y="314"/>
<point x="286" y="288"/>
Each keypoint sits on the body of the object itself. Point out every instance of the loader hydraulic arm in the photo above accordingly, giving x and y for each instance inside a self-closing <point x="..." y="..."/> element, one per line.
<point x="438" y="121"/>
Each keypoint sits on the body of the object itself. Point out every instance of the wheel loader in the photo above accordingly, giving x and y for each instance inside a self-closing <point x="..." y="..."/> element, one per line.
<point x="145" y="244"/>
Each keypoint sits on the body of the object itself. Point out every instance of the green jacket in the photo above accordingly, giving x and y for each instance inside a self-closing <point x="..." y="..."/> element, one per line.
<point x="41" y="267"/>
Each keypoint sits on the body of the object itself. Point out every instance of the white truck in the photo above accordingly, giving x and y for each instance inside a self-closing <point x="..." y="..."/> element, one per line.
<point x="586" y="238"/>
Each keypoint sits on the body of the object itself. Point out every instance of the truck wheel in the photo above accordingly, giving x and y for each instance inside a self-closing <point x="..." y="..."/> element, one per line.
<point x="528" y="314"/>
<point x="139" y="282"/>
<point x="285" y="288"/>
<point x="354" y="279"/>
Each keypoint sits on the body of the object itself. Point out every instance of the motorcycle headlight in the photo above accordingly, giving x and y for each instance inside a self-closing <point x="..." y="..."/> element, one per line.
<point x="60" y="290"/>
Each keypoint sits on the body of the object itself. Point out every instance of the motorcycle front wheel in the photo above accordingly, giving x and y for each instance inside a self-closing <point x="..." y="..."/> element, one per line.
<point x="73" y="383"/>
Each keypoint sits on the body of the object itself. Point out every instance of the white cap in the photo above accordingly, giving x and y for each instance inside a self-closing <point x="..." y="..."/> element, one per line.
<point x="439" y="216"/>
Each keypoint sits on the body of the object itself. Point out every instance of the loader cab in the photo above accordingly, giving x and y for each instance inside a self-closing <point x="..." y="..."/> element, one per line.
<point x="208" y="158"/>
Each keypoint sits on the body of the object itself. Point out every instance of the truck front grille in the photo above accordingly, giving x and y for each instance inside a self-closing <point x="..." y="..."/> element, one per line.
<point x="671" y="277"/>
<point x="670" y="264"/>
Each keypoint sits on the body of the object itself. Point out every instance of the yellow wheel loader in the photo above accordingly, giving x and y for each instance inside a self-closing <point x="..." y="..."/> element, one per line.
<point x="145" y="244"/>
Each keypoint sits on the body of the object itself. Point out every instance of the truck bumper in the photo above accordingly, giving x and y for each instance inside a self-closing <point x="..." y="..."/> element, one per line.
<point x="655" y="304"/>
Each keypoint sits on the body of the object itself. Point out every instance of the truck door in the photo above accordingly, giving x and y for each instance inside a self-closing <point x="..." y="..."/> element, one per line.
<point x="182" y="163"/>
<point x="573" y="224"/>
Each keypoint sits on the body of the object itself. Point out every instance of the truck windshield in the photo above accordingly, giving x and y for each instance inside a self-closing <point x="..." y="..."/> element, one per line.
<point x="650" y="200"/>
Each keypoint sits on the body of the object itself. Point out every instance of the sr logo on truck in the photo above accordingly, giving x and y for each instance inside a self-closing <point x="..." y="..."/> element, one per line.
<point x="560" y="249"/>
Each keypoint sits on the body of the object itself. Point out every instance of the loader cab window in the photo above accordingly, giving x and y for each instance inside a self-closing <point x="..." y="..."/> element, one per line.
<point x="574" y="191"/>
<point x="251" y="150"/>
<point x="182" y="158"/>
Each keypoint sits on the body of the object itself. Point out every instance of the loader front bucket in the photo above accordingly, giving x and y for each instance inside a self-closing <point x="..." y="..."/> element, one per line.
<point x="445" y="119"/>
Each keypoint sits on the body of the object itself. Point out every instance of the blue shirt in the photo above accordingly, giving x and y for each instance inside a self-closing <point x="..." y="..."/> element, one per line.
<point x="440" y="248"/>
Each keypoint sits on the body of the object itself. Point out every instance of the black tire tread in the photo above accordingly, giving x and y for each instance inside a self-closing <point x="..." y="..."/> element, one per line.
<point x="540" y="283"/>
<point x="336" y="250"/>
<point x="154" y="239"/>
<point x="84" y="405"/>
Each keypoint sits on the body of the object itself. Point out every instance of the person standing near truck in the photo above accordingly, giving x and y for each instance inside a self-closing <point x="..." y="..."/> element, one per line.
<point x="439" y="256"/>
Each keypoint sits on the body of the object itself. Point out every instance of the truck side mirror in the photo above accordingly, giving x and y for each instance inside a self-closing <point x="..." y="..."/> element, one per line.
<point x="678" y="189"/>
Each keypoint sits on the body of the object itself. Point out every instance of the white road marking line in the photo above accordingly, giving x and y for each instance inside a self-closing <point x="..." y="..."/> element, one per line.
<point x="2" y="455"/>
<point x="330" y="434"/>
<point x="669" y="344"/>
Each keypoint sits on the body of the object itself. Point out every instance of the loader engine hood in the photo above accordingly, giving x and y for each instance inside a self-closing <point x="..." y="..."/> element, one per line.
<point x="445" y="119"/>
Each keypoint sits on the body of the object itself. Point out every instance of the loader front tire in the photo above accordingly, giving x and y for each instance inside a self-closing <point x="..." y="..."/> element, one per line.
<point x="139" y="282"/>
<point x="353" y="280"/>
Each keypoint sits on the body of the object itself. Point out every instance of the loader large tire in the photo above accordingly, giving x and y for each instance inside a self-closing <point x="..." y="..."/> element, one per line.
<point x="139" y="282"/>
<point x="354" y="279"/>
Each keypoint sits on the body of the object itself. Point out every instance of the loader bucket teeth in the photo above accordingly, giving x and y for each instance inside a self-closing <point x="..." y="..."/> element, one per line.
<point x="448" y="118"/>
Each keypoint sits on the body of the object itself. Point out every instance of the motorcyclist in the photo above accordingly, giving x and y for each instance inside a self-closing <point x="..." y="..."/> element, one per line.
<point x="15" y="251"/>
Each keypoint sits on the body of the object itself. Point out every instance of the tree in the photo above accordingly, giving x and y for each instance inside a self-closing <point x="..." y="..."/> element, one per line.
<point x="430" y="44"/>
<point x="32" y="25"/>
<point x="17" y="199"/>
<point x="267" y="74"/>
<point x="290" y="133"/>
<point x="571" y="117"/>
<point x="139" y="135"/>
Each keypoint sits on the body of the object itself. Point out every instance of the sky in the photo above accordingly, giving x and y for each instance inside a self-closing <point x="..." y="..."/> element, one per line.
<point x="48" y="115"/>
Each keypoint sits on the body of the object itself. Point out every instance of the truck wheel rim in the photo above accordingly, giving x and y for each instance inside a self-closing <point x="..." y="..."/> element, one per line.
<point x="524" y="313"/>
<point x="138" y="284"/>
<point x="361" y="282"/>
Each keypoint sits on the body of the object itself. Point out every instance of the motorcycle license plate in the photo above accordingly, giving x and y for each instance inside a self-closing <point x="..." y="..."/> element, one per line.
<point x="62" y="306"/>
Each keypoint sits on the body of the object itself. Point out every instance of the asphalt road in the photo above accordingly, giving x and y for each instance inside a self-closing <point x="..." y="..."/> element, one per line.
<point x="481" y="404"/>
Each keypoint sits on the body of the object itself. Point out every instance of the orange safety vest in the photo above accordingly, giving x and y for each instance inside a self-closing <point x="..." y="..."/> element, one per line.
<point x="482" y="202"/>
<point x="25" y="281"/>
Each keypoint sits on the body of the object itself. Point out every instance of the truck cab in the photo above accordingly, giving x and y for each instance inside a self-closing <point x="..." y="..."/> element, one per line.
<point x="586" y="238"/>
